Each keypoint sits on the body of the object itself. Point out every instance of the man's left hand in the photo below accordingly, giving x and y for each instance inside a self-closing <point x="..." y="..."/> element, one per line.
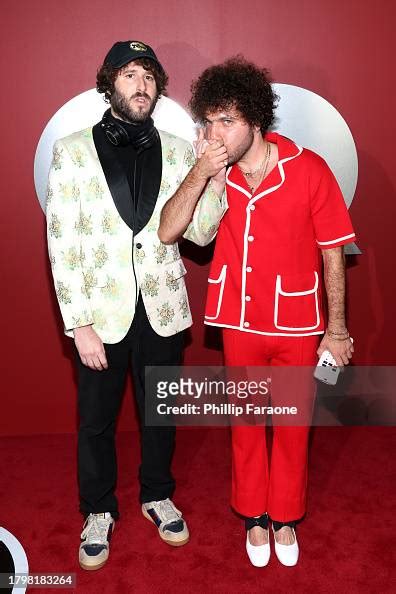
<point x="340" y="349"/>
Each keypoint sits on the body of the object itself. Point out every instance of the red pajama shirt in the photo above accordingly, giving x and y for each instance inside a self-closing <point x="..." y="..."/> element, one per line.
<point x="265" y="289"/>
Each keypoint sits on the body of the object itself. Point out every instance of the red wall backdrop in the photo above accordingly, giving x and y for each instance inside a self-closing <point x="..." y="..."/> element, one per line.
<point x="50" y="51"/>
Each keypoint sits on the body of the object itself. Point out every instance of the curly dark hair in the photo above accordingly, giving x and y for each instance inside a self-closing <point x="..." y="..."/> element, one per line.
<point x="236" y="83"/>
<point x="107" y="74"/>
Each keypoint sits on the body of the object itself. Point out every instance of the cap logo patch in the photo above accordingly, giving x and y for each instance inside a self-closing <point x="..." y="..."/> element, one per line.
<point x="137" y="46"/>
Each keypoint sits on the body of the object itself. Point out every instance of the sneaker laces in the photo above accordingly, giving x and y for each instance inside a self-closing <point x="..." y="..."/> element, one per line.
<point x="95" y="529"/>
<point x="167" y="511"/>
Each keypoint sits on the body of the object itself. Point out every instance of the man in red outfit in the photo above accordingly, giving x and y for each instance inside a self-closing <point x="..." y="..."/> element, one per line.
<point x="278" y="253"/>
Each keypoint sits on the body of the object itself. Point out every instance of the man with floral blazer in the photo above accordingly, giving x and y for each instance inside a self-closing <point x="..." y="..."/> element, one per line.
<point x="121" y="291"/>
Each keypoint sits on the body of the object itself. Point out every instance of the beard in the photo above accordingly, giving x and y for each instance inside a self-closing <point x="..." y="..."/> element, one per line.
<point x="121" y="106"/>
<point x="241" y="149"/>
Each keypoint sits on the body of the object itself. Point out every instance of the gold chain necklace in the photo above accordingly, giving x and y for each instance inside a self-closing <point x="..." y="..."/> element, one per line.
<point x="263" y="166"/>
<point x="253" y="171"/>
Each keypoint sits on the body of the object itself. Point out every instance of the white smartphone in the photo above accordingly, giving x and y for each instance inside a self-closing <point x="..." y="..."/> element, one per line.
<point x="327" y="370"/>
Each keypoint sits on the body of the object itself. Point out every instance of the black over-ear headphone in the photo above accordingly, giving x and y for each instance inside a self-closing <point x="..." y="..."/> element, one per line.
<point x="118" y="135"/>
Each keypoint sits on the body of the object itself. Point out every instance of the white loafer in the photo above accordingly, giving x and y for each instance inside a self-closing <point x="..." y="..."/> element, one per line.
<point x="259" y="555"/>
<point x="287" y="554"/>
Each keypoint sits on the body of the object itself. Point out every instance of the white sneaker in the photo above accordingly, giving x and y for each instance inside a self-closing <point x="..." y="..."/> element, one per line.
<point x="168" y="519"/>
<point x="96" y="534"/>
<point x="259" y="555"/>
<point x="287" y="554"/>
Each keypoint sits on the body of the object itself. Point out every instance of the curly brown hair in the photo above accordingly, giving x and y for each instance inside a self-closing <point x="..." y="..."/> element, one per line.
<point x="107" y="74"/>
<point x="239" y="84"/>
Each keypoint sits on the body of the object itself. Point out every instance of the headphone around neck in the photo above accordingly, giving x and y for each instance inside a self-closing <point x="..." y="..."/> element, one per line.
<point x="118" y="135"/>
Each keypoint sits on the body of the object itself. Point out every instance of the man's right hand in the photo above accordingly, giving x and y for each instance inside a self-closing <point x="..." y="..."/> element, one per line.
<point x="212" y="157"/>
<point x="90" y="348"/>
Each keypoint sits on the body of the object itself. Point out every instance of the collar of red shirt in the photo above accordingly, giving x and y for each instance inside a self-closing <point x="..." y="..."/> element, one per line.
<point x="287" y="150"/>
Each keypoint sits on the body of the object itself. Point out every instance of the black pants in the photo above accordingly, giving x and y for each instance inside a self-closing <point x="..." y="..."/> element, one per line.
<point x="99" y="399"/>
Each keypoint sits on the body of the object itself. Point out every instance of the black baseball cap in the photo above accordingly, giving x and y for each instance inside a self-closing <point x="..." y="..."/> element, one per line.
<point x="123" y="52"/>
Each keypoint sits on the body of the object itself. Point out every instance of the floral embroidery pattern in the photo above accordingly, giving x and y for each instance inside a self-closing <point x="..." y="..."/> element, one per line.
<point x="109" y="223"/>
<point x="71" y="258"/>
<point x="81" y="320"/>
<point x="57" y="158"/>
<point x="84" y="224"/>
<point x="166" y="313"/>
<point x="170" y="156"/>
<point x="140" y="255"/>
<point x="78" y="156"/>
<point x="183" y="307"/>
<point x="94" y="190"/>
<point x="82" y="255"/>
<point x="150" y="285"/>
<point x="89" y="282"/>
<point x="49" y="194"/>
<point x="55" y="227"/>
<point x="207" y="226"/>
<point x="189" y="158"/>
<point x="111" y="289"/>
<point x="212" y="208"/>
<point x="160" y="252"/>
<point x="63" y="293"/>
<point x="69" y="191"/>
<point x="171" y="282"/>
<point x="100" y="256"/>
<point x="165" y="186"/>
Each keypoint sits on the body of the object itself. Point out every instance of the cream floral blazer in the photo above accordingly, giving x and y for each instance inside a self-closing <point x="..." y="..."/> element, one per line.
<point x="90" y="246"/>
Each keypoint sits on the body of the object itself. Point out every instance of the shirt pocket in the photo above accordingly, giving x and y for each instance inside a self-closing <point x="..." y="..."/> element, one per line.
<point x="215" y="294"/>
<point x="296" y="302"/>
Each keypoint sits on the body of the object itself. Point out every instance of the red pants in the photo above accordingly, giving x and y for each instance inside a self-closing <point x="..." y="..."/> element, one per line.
<point x="279" y="487"/>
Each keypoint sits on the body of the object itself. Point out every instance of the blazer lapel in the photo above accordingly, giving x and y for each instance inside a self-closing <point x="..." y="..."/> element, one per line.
<point x="115" y="176"/>
<point x="150" y="183"/>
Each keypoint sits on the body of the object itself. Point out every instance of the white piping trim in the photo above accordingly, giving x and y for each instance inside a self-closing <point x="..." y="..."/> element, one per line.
<point x="336" y="240"/>
<point x="230" y="183"/>
<point x="221" y="279"/>
<point x="279" y="291"/>
<point x="296" y="293"/>
<point x="263" y="333"/>
<point x="243" y="269"/>
<point x="282" y="174"/>
<point x="247" y="225"/>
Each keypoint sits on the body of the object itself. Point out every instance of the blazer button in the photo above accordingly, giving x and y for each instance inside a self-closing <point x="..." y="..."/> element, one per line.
<point x="250" y="238"/>
<point x="246" y="324"/>
<point x="138" y="246"/>
<point x="248" y="298"/>
<point x="248" y="269"/>
<point x="252" y="207"/>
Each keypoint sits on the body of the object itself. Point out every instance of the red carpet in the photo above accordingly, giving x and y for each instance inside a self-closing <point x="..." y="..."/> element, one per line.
<point x="346" y="540"/>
